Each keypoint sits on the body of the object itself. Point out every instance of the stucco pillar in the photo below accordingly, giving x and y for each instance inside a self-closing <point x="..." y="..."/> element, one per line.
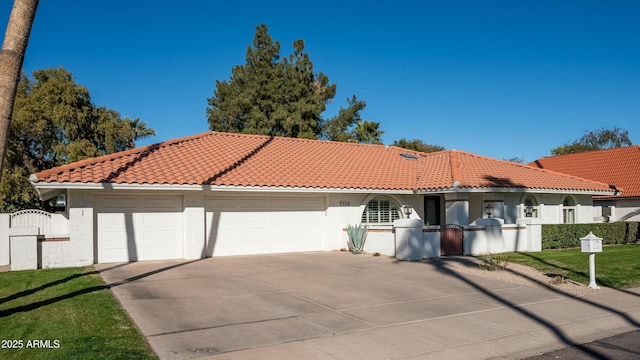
<point x="612" y="216"/>
<point x="456" y="209"/>
<point x="493" y="234"/>
<point x="431" y="241"/>
<point x="408" y="234"/>
<point x="24" y="248"/>
<point x="534" y="233"/>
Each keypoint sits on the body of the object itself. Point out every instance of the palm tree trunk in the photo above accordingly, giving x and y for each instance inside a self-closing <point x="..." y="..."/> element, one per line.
<point x="11" y="57"/>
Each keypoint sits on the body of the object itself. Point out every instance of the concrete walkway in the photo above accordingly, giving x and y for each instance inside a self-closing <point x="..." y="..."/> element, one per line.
<point x="342" y="306"/>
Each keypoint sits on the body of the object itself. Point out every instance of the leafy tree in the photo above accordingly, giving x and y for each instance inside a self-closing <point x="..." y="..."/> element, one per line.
<point x="367" y="132"/>
<point x="348" y="125"/>
<point x="270" y="96"/>
<point x="136" y="129"/>
<point x="417" y="145"/>
<point x="14" y="47"/>
<point x="54" y="122"/>
<point x="595" y="140"/>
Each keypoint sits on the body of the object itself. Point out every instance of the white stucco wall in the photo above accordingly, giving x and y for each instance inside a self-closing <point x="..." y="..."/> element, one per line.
<point x="79" y="251"/>
<point x="24" y="248"/>
<point x="380" y="239"/>
<point x="59" y="225"/>
<point x="515" y="238"/>
<point x="4" y="239"/>
<point x="340" y="210"/>
<point x="626" y="209"/>
<point x="457" y="209"/>
<point x="512" y="203"/>
<point x="345" y="209"/>
<point x="532" y="233"/>
<point x="550" y="208"/>
<point x="431" y="240"/>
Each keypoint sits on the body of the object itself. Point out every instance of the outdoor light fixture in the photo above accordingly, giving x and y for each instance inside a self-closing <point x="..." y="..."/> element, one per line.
<point x="528" y="211"/>
<point x="488" y="210"/>
<point x="407" y="210"/>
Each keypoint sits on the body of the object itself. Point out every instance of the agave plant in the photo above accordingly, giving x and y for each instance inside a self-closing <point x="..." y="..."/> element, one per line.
<point x="357" y="236"/>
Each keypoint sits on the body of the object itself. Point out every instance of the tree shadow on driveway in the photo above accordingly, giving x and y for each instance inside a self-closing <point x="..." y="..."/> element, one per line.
<point x="443" y="267"/>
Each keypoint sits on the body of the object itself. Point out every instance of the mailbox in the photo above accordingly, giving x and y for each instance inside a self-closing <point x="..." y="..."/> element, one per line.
<point x="591" y="243"/>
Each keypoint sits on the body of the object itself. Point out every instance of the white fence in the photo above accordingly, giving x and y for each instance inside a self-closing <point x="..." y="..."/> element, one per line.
<point x="31" y="218"/>
<point x="48" y="225"/>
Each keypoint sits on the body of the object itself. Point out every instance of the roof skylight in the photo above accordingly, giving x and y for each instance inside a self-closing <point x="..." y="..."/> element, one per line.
<point x="409" y="156"/>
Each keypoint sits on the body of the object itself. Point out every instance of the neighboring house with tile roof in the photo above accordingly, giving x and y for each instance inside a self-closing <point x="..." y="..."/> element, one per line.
<point x="619" y="167"/>
<point x="219" y="194"/>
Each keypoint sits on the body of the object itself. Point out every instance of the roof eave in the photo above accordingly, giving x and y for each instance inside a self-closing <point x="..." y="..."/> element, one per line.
<point x="516" y="190"/>
<point x="56" y="187"/>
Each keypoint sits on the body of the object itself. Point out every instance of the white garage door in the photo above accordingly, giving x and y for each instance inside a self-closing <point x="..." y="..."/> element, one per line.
<point x="132" y="228"/>
<point x="264" y="225"/>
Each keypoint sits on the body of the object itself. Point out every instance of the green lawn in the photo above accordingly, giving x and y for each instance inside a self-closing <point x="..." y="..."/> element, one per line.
<point x="70" y="312"/>
<point x="617" y="266"/>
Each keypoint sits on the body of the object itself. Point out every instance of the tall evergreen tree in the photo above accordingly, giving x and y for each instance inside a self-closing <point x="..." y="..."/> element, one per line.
<point x="270" y="96"/>
<point x="340" y="127"/>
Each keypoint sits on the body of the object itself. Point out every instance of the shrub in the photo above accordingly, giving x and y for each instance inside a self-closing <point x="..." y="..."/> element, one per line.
<point x="562" y="236"/>
<point x="632" y="232"/>
<point x="494" y="262"/>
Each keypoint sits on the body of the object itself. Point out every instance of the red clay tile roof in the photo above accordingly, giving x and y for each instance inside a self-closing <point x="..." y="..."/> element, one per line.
<point x="619" y="167"/>
<point x="225" y="159"/>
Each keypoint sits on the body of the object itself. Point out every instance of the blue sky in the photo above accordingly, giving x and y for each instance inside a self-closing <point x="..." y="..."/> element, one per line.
<point x="502" y="79"/>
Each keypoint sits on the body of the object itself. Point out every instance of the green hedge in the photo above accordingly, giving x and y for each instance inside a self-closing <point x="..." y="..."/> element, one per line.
<point x="562" y="236"/>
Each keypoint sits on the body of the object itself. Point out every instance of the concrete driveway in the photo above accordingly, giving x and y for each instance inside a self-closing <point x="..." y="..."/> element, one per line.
<point x="341" y="306"/>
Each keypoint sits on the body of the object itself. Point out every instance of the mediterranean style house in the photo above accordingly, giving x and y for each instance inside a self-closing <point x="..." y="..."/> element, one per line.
<point x="222" y="194"/>
<point x="619" y="167"/>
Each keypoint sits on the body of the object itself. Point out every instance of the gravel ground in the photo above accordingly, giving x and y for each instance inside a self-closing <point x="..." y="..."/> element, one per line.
<point x="521" y="274"/>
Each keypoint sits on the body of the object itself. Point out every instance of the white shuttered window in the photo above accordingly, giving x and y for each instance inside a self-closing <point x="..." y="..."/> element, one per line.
<point x="381" y="211"/>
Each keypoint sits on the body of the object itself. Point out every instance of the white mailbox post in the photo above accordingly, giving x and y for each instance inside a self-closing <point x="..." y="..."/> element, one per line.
<point x="591" y="244"/>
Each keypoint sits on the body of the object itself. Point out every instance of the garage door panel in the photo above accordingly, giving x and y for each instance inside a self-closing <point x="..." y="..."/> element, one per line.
<point x="160" y="221"/>
<point x="251" y="218"/>
<point x="159" y="237"/>
<point x="263" y="225"/>
<point x="113" y="220"/>
<point x="280" y="217"/>
<point x="115" y="238"/>
<point x="306" y="217"/>
<point x="144" y="228"/>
